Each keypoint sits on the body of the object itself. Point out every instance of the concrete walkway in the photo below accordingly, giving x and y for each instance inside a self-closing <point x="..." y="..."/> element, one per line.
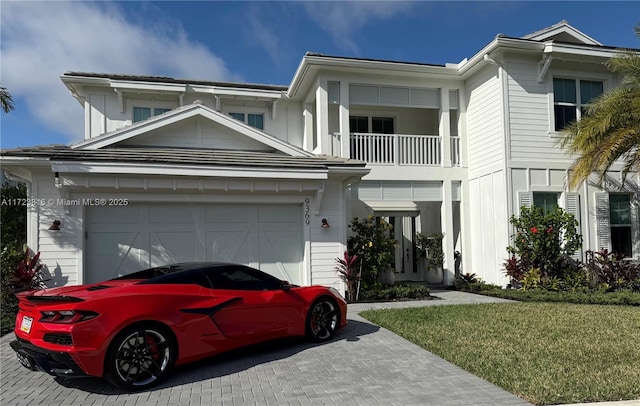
<point x="364" y="365"/>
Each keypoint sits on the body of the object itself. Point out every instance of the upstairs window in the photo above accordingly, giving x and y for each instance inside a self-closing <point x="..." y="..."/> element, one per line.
<point x="253" y="119"/>
<point x="378" y="125"/>
<point x="143" y="113"/>
<point x="570" y="97"/>
<point x="382" y="125"/>
<point x="358" y="124"/>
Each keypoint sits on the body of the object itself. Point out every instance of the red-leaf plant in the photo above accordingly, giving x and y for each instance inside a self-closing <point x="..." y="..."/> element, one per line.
<point x="350" y="274"/>
<point x="28" y="273"/>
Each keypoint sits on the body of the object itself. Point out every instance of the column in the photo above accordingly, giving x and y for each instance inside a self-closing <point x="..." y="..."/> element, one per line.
<point x="446" y="219"/>
<point x="345" y="136"/>
<point x="322" y="118"/>
<point x="445" y="127"/>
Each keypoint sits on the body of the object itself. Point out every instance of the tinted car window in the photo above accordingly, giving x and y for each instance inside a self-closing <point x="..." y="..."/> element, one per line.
<point x="191" y="277"/>
<point x="243" y="278"/>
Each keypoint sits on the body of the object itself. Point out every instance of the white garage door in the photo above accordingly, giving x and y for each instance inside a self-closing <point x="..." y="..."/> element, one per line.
<point x="121" y="240"/>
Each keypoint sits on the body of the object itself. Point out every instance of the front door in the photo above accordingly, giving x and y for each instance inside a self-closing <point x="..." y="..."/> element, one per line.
<point x="404" y="229"/>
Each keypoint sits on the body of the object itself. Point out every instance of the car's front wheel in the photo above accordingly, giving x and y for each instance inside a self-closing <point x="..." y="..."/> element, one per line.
<point x="140" y="357"/>
<point x="323" y="320"/>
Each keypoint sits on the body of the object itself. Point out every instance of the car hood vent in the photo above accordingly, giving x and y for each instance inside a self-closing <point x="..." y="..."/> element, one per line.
<point x="98" y="287"/>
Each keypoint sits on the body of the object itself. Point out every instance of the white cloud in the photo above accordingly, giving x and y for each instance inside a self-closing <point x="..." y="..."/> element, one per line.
<point x="342" y="19"/>
<point x="42" y="40"/>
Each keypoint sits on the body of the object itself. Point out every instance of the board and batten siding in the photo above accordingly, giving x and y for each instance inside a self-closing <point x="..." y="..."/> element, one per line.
<point x="197" y="132"/>
<point x="485" y="127"/>
<point x="489" y="228"/>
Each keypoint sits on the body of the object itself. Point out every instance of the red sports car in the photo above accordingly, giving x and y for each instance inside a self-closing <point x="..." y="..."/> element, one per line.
<point x="133" y="329"/>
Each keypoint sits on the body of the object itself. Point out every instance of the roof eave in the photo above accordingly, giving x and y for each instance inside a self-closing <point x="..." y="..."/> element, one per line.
<point x="122" y="168"/>
<point x="315" y="62"/>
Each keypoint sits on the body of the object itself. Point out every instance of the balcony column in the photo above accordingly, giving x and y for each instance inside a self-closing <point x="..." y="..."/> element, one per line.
<point x="322" y="118"/>
<point x="345" y="136"/>
<point x="445" y="127"/>
<point x="307" y="142"/>
<point x="446" y="220"/>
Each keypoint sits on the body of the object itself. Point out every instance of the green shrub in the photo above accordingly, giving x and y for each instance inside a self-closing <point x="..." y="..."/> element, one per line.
<point x="13" y="236"/>
<point x="395" y="292"/>
<point x="372" y="242"/>
<point x="9" y="258"/>
<point x="542" y="240"/>
<point x="610" y="271"/>
<point x="626" y="298"/>
<point x="531" y="279"/>
<point x="429" y="246"/>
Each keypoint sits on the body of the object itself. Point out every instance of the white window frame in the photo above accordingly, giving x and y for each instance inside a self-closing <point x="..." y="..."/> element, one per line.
<point x="576" y="77"/>
<point x="246" y="114"/>
<point x="149" y="105"/>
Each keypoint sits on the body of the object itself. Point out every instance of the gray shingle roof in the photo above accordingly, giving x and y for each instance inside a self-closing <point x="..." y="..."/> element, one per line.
<point x="166" y="79"/>
<point x="182" y="156"/>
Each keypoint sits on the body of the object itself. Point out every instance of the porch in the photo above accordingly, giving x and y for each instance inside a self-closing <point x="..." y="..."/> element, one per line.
<point x="399" y="149"/>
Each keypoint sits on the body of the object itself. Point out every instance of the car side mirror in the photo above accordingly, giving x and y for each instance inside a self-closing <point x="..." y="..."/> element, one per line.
<point x="285" y="285"/>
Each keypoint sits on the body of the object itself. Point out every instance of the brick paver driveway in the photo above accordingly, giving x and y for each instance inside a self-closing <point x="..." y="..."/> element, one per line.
<point x="364" y="365"/>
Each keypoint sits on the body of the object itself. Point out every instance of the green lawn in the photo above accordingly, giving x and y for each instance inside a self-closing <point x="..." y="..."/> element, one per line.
<point x="546" y="353"/>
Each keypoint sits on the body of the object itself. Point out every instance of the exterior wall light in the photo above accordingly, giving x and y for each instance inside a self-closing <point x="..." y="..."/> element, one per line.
<point x="325" y="224"/>
<point x="55" y="226"/>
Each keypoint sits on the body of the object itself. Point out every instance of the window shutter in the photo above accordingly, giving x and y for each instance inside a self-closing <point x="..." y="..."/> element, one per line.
<point x="635" y="225"/>
<point x="525" y="199"/>
<point x="572" y="206"/>
<point x="364" y="94"/>
<point x="395" y="96"/>
<point x="602" y="221"/>
<point x="429" y="98"/>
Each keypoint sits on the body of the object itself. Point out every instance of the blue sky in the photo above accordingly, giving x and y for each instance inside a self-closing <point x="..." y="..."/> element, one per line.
<point x="257" y="42"/>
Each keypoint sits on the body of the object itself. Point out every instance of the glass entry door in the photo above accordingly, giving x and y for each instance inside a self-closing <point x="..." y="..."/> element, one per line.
<point x="405" y="228"/>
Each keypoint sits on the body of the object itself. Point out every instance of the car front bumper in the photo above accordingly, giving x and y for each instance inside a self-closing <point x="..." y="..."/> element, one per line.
<point x="51" y="362"/>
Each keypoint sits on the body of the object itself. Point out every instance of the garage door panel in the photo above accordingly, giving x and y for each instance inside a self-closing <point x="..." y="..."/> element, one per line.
<point x="280" y="255"/>
<point x="281" y="214"/>
<point x="114" y="254"/>
<point x="236" y="214"/>
<point x="172" y="214"/>
<point x="170" y="247"/>
<point x="112" y="215"/>
<point x="229" y="246"/>
<point x="124" y="240"/>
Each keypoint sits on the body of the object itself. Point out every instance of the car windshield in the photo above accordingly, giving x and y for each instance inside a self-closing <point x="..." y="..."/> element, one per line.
<point x="149" y="273"/>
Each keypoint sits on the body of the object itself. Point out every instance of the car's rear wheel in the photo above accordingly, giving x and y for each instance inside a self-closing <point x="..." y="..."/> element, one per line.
<point x="323" y="319"/>
<point x="140" y="357"/>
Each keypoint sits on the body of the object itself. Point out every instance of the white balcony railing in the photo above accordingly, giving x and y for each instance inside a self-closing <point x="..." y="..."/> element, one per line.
<point x="402" y="149"/>
<point x="456" y="152"/>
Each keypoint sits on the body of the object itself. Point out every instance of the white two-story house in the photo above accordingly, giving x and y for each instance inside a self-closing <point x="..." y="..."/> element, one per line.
<point x="180" y="170"/>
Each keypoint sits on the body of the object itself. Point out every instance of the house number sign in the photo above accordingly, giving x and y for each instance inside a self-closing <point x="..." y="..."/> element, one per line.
<point x="307" y="216"/>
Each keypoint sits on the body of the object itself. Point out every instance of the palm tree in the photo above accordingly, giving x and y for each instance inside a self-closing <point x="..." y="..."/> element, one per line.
<point x="6" y="100"/>
<point x="611" y="128"/>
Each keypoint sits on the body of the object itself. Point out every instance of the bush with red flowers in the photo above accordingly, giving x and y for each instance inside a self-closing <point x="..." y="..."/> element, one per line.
<point x="544" y="241"/>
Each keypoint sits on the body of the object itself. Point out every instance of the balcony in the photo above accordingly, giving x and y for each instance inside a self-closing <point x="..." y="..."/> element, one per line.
<point x="401" y="149"/>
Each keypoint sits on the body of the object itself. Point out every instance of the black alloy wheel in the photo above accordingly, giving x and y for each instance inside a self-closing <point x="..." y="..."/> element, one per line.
<point x="323" y="320"/>
<point x="140" y="357"/>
